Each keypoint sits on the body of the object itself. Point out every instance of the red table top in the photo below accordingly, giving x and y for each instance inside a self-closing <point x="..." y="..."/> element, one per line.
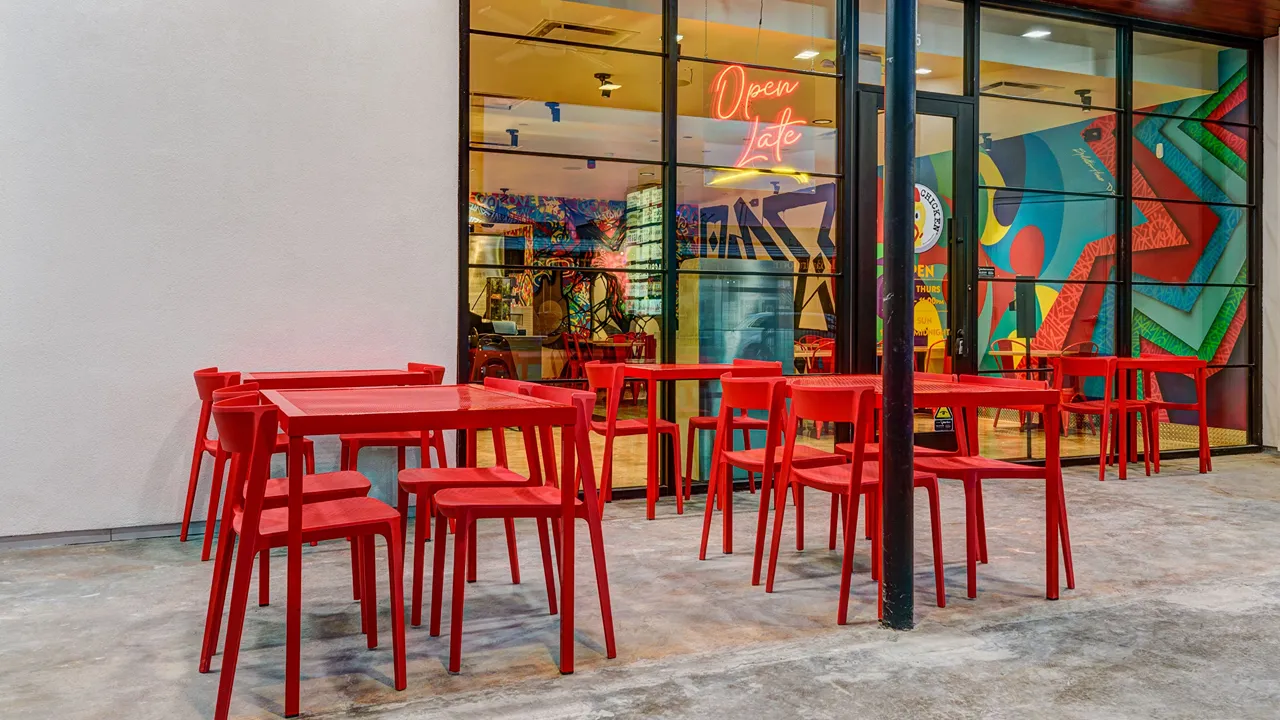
<point x="334" y="378"/>
<point x="935" y="393"/>
<point x="677" y="371"/>
<point x="1155" y="362"/>
<point x="331" y="411"/>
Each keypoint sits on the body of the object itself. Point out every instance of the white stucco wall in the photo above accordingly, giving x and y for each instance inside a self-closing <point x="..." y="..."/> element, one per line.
<point x="1270" y="274"/>
<point x="254" y="185"/>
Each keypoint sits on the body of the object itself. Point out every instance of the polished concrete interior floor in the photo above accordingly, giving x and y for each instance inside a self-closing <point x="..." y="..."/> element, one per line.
<point x="1176" y="614"/>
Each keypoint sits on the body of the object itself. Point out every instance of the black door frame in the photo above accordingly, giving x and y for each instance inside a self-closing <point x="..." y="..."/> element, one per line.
<point x="962" y="311"/>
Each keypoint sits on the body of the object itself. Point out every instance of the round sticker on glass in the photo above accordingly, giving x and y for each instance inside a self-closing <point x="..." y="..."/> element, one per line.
<point x="928" y="218"/>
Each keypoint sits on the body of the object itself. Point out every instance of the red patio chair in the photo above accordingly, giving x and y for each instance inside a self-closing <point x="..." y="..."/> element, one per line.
<point x="247" y="430"/>
<point x="847" y="482"/>
<point x="353" y="443"/>
<point x="744" y="394"/>
<point x="971" y="469"/>
<point x="609" y="377"/>
<point x="540" y="502"/>
<point x="427" y="483"/>
<point x="741" y="422"/>
<point x="1193" y="366"/>
<point x="1078" y="369"/>
<point x="209" y="380"/>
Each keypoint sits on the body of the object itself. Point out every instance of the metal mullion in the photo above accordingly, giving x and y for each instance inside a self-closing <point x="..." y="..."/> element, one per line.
<point x="565" y="43"/>
<point x="1169" y="116"/>
<point x="1181" y="201"/>
<point x="1124" y="216"/>
<point x="846" y="188"/>
<point x="561" y="156"/>
<point x="1052" y="281"/>
<point x="1152" y="283"/>
<point x="757" y="66"/>
<point x="568" y="268"/>
<point x="1254" y="256"/>
<point x="670" y="178"/>
<point x="763" y="171"/>
<point x="1045" y="101"/>
<point x="1037" y="191"/>
<point x="752" y="273"/>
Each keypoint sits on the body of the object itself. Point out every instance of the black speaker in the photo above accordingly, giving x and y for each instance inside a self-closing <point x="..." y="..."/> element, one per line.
<point x="1024" y="301"/>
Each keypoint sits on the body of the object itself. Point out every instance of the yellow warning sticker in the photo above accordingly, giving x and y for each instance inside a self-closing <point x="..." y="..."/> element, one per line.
<point x="942" y="413"/>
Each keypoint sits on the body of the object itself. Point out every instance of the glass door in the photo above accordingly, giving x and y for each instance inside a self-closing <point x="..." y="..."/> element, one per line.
<point x="943" y="209"/>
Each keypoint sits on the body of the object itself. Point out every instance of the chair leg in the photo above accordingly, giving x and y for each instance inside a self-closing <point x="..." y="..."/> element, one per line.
<point x="471" y="553"/>
<point x="344" y="456"/>
<point x="395" y="572"/>
<point x="461" y="543"/>
<point x="799" y="498"/>
<point x="1155" y="440"/>
<point x="846" y="561"/>
<point x="971" y="537"/>
<point x="687" y="485"/>
<point x="596" y="534"/>
<point x="726" y="527"/>
<point x="509" y="525"/>
<point x="713" y="498"/>
<point x="222" y="562"/>
<point x="675" y="468"/>
<point x="935" y="527"/>
<point x="235" y="627"/>
<point x="369" y="595"/>
<point x="980" y="509"/>
<point x="215" y="489"/>
<point x="400" y="458"/>
<point x="1146" y="440"/>
<point x="1065" y="535"/>
<point x="355" y="569"/>
<point x="767" y="490"/>
<point x="264" y="578"/>
<point x="309" y="457"/>
<point x="437" y="574"/>
<point x="1104" y="449"/>
<point x="548" y="566"/>
<point x="420" y="523"/>
<point x="196" y="459"/>
<point x="779" y="512"/>
<point x="835" y="518"/>
<point x="353" y="462"/>
<point x="746" y="445"/>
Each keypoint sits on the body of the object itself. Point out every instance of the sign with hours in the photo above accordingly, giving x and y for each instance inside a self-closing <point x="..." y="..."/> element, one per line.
<point x="928" y="218"/>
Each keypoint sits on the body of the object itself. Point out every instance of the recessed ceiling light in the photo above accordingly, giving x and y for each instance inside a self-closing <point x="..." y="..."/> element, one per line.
<point x="1036" y="34"/>
<point x="822" y="121"/>
<point x="646" y="173"/>
<point x="923" y="71"/>
<point x="807" y="54"/>
<point x="679" y="38"/>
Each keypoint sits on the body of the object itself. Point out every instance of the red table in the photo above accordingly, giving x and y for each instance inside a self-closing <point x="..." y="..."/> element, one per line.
<point x="957" y="393"/>
<point x="652" y="374"/>
<point x="293" y="380"/>
<point x="334" y="411"/>
<point x="1147" y="365"/>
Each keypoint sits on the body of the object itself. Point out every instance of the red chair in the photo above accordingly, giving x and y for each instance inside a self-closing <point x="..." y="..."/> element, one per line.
<point x="427" y="483"/>
<point x="609" y="377"/>
<point x="846" y="482"/>
<point x="1193" y="366"/>
<point x="316" y="487"/>
<point x="247" y="430"/>
<point x="823" y="356"/>
<point x="741" y="422"/>
<point x="553" y="501"/>
<point x="1011" y="366"/>
<point x="353" y="443"/>
<point x="743" y="394"/>
<point x="209" y="380"/>
<point x="936" y="359"/>
<point x="971" y="469"/>
<point x="577" y="352"/>
<point x="1078" y="369"/>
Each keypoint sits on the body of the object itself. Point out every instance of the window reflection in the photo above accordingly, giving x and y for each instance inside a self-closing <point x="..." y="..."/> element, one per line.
<point x="1192" y="79"/>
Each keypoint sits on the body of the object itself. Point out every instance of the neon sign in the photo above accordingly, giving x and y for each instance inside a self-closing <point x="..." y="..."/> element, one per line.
<point x="731" y="98"/>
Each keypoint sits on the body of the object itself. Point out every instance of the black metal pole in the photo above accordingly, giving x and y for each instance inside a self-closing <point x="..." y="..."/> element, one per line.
<point x="898" y="510"/>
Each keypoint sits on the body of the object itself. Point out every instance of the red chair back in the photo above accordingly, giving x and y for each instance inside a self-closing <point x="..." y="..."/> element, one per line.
<point x="1081" y="367"/>
<point x="1010" y="363"/>
<point x="247" y="431"/>
<point x="607" y="377"/>
<point x="435" y="372"/>
<point x="210" y="379"/>
<point x="828" y="404"/>
<point x="584" y="403"/>
<point x="233" y="391"/>
<point x="1084" y="348"/>
<point x="756" y="368"/>
<point x="743" y="394"/>
<point x="518" y="387"/>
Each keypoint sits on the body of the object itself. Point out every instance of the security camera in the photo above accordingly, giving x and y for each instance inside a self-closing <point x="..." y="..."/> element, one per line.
<point x="607" y="85"/>
<point x="1086" y="98"/>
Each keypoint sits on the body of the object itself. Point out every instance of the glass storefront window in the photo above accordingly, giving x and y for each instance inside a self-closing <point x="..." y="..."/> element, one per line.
<point x="637" y="26"/>
<point x="1046" y="147"/>
<point x="1179" y="242"/>
<point x="1069" y="317"/>
<point x="940" y="49"/>
<point x="1191" y="79"/>
<point x="542" y="97"/>
<point x="1051" y="237"/>
<point x="1043" y="58"/>
<point x="544" y="324"/>
<point x="751" y="119"/>
<point x="791" y="34"/>
<point x="564" y="212"/>
<point x="1185" y="159"/>
<point x="1208" y="322"/>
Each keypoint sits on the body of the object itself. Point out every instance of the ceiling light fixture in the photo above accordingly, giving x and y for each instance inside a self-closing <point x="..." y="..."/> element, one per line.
<point x="822" y="121"/>
<point x="923" y="71"/>
<point x="1036" y="34"/>
<point x="807" y="54"/>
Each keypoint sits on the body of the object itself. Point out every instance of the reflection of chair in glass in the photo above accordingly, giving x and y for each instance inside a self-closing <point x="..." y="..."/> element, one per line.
<point x="492" y="358"/>
<point x="936" y="359"/>
<point x="822" y="356"/>
<point x="577" y="352"/>
<point x="1011" y="361"/>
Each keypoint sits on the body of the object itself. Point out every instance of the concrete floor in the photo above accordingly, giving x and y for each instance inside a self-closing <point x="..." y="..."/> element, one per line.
<point x="1176" y="614"/>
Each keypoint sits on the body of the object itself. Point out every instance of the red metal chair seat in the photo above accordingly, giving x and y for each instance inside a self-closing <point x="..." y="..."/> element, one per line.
<point x="328" y="520"/>
<point x="319" y="487"/>
<point x="482" y="502"/>
<point x="835" y="478"/>
<point x="804" y="457"/>
<point x="635" y="426"/>
<point x="740" y="422"/>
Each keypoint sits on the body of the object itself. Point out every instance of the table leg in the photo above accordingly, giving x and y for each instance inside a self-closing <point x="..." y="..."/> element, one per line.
<point x="293" y="609"/>
<point x="651" y="469"/>
<point x="1206" y="460"/>
<point x="1053" y="478"/>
